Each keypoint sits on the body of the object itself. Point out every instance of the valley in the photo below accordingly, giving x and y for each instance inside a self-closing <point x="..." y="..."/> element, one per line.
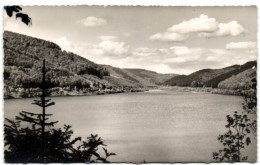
<point x="69" y="74"/>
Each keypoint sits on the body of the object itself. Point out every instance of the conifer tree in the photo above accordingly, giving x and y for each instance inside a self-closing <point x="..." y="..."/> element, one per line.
<point x="35" y="144"/>
<point x="39" y="119"/>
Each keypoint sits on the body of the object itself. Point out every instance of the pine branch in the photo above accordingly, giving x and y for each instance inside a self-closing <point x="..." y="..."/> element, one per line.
<point x="50" y="104"/>
<point x="29" y="113"/>
<point x="39" y="104"/>
<point x="51" y="123"/>
<point x="30" y="120"/>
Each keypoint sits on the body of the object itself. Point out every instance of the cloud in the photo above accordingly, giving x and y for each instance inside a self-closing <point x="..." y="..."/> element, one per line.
<point x="241" y="45"/>
<point x="174" y="59"/>
<point x="77" y="48"/>
<point x="112" y="47"/>
<point x="167" y="36"/>
<point x="180" y="50"/>
<point x="185" y="60"/>
<point x="93" y="21"/>
<point x="201" y="24"/>
<point x="232" y="28"/>
<point x="109" y="46"/>
<point x="160" y="68"/>
<point x="104" y="38"/>
<point x="172" y="51"/>
<point x="63" y="42"/>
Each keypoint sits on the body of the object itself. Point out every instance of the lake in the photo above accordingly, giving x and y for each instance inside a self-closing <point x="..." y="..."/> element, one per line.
<point x="155" y="126"/>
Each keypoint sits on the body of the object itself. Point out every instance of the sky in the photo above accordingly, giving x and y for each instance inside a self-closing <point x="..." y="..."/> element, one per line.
<point x="163" y="39"/>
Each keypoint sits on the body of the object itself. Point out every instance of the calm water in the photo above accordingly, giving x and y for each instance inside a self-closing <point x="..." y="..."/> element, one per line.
<point x="155" y="126"/>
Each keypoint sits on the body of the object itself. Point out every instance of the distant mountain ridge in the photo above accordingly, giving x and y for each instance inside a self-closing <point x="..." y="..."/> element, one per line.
<point x="144" y="77"/>
<point x="209" y="77"/>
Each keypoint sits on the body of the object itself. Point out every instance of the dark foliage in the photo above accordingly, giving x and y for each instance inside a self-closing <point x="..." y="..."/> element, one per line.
<point x="16" y="9"/>
<point x="23" y="145"/>
<point x="234" y="140"/>
<point x="25" y="18"/>
<point x="10" y="9"/>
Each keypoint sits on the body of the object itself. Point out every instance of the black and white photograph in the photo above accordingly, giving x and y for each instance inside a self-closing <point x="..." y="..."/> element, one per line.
<point x="129" y="84"/>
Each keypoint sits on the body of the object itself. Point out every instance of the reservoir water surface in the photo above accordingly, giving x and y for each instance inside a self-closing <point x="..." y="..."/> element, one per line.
<point x="155" y="126"/>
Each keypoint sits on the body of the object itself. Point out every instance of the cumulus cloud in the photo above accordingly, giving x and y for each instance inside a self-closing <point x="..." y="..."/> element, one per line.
<point x="167" y="36"/>
<point x="93" y="21"/>
<point x="201" y="24"/>
<point x="112" y="47"/>
<point x="108" y="46"/>
<point x="232" y="28"/>
<point x="241" y="45"/>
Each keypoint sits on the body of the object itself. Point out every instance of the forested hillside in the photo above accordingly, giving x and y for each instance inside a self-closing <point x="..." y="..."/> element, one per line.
<point x="150" y="76"/>
<point x="138" y="76"/>
<point x="181" y="80"/>
<point x="242" y="80"/>
<point x="216" y="80"/>
<point x="66" y="71"/>
<point x="208" y="77"/>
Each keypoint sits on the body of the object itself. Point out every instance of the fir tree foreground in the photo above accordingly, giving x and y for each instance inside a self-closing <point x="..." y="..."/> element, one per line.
<point x="27" y="141"/>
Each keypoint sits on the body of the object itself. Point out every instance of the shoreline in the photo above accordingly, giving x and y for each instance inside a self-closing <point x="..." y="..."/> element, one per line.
<point x="211" y="90"/>
<point x="66" y="93"/>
